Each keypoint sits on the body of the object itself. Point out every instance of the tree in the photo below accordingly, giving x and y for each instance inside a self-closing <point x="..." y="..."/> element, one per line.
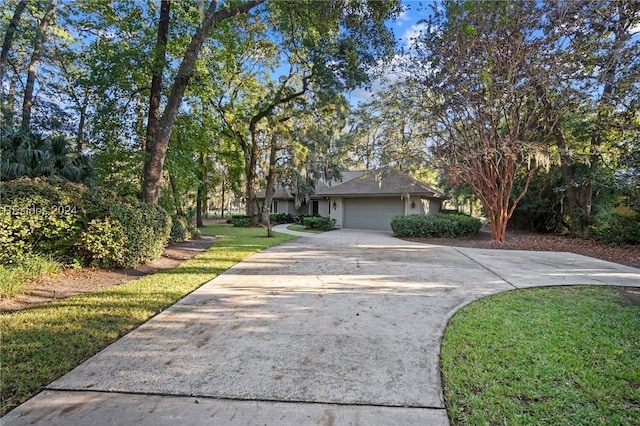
<point x="597" y="49"/>
<point x="389" y="131"/>
<point x="38" y="46"/>
<point x="7" y="44"/>
<point x="213" y="16"/>
<point x="362" y="21"/>
<point x="477" y="71"/>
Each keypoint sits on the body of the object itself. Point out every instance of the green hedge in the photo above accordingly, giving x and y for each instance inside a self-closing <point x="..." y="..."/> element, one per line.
<point x="240" y="220"/>
<point x="78" y="224"/>
<point x="321" y="223"/>
<point x="616" y="228"/>
<point x="441" y="225"/>
<point x="280" y="218"/>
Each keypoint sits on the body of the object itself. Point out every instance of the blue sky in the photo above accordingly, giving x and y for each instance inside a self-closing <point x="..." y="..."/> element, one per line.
<point x="404" y="27"/>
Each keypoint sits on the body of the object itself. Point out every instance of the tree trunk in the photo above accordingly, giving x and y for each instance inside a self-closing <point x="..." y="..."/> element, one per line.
<point x="7" y="108"/>
<point x="222" y="202"/>
<point x="250" y="162"/>
<point x="8" y="38"/>
<point x="201" y="197"/>
<point x="176" y="197"/>
<point x="199" y="205"/>
<point x="269" y="190"/>
<point x="159" y="59"/>
<point x="157" y="154"/>
<point x="81" y="122"/>
<point x="27" y="103"/>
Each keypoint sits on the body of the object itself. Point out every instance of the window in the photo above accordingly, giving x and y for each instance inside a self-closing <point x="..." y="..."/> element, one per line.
<point x="314" y="207"/>
<point x="274" y="206"/>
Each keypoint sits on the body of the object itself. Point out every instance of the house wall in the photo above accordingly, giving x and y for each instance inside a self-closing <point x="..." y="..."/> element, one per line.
<point x="336" y="213"/>
<point x="435" y="206"/>
<point x="418" y="205"/>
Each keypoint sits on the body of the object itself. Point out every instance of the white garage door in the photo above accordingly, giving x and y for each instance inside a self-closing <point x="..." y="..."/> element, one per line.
<point x="368" y="213"/>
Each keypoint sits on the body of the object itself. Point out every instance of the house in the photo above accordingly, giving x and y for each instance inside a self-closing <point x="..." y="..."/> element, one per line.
<point x="363" y="199"/>
<point x="373" y="198"/>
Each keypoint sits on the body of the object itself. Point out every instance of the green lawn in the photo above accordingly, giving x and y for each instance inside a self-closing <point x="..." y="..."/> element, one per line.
<point x="567" y="355"/>
<point x="43" y="343"/>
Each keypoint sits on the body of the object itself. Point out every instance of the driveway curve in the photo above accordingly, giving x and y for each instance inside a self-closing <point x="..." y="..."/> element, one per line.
<point x="342" y="327"/>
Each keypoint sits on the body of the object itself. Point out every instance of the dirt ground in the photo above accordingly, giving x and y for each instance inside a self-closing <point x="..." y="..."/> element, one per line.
<point x="77" y="281"/>
<point x="83" y="280"/>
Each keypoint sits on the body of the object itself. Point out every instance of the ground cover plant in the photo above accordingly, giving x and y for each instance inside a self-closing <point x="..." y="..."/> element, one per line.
<point x="43" y="343"/>
<point x="563" y="355"/>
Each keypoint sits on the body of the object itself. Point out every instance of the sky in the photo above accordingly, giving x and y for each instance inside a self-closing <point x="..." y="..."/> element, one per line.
<point x="405" y="27"/>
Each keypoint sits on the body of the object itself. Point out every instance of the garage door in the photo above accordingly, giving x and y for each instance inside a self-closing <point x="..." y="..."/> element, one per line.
<point x="367" y="213"/>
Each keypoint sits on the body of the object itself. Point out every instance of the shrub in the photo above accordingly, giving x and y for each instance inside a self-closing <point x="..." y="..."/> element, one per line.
<point x="39" y="216"/>
<point x="321" y="223"/>
<point x="617" y="228"/>
<point x="299" y="219"/>
<point x="103" y="242"/>
<point x="435" y="225"/>
<point x="75" y="223"/>
<point x="280" y="218"/>
<point x="241" y="220"/>
<point x="179" y="229"/>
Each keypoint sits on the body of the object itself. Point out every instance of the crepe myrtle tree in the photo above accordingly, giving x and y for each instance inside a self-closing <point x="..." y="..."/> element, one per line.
<point x="475" y="68"/>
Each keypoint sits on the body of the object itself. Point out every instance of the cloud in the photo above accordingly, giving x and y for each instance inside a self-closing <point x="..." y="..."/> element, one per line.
<point x="413" y="33"/>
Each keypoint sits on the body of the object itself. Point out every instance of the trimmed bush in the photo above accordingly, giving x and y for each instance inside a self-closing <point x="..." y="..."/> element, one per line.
<point x="438" y="225"/>
<point x="280" y="218"/>
<point x="74" y="223"/>
<point x="240" y="221"/>
<point x="299" y="219"/>
<point x="317" y="222"/>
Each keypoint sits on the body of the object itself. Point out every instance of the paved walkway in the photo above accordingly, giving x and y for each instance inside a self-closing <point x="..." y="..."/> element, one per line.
<point x="336" y="328"/>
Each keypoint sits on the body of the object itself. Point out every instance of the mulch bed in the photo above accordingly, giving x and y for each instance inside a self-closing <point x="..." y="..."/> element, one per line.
<point x="626" y="255"/>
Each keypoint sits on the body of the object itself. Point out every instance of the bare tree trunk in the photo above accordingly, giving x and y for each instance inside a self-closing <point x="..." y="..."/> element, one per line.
<point x="8" y="37"/>
<point x="27" y="103"/>
<point x="153" y="174"/>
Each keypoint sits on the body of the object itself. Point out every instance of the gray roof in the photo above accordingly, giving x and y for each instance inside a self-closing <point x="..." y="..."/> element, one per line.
<point x="281" y="193"/>
<point x="380" y="183"/>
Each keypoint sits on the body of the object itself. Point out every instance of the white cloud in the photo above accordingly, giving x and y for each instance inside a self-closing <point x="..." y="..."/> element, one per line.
<point x="413" y="33"/>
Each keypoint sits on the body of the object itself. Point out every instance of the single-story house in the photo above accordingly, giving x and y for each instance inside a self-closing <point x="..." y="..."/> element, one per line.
<point x="369" y="200"/>
<point x="362" y="199"/>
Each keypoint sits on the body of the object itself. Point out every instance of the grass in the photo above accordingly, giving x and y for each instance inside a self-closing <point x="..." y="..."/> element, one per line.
<point x="15" y="279"/>
<point x="568" y="355"/>
<point x="43" y="343"/>
<point x="302" y="228"/>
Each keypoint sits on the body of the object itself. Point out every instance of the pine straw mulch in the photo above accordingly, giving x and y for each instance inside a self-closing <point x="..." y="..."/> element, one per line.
<point x="625" y="255"/>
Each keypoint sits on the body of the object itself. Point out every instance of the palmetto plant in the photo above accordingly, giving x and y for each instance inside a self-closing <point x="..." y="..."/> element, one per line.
<point x="26" y="154"/>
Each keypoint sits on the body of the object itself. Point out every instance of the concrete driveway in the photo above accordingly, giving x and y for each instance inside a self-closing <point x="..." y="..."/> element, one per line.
<point x="337" y="328"/>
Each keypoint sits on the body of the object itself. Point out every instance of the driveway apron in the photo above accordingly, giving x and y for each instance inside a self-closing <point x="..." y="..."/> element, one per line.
<point x="337" y="328"/>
